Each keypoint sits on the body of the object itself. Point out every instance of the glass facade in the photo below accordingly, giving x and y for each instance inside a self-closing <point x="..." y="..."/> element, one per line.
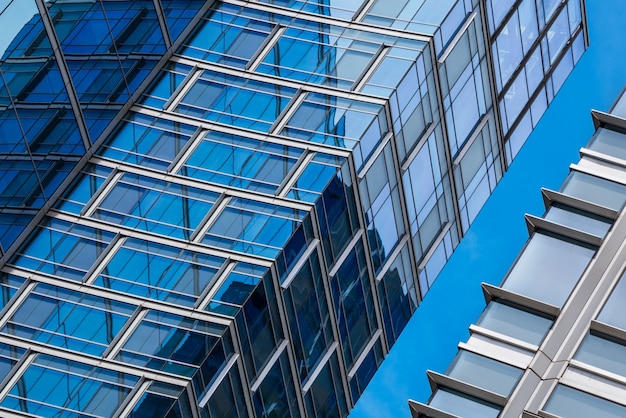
<point x="552" y="339"/>
<point x="232" y="208"/>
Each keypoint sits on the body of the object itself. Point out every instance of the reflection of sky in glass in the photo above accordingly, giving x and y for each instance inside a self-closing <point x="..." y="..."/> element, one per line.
<point x="13" y="16"/>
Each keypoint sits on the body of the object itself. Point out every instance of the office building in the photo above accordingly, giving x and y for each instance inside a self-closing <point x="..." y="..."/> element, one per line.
<point x="232" y="208"/>
<point x="551" y="341"/>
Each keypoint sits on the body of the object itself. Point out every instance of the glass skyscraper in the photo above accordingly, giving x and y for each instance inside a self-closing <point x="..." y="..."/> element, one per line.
<point x="232" y="208"/>
<point x="552" y="339"/>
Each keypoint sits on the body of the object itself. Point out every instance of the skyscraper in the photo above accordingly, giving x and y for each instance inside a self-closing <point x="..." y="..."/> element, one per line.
<point x="233" y="208"/>
<point x="551" y="340"/>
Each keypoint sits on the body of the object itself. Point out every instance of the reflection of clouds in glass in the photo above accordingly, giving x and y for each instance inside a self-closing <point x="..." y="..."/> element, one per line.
<point x="13" y="16"/>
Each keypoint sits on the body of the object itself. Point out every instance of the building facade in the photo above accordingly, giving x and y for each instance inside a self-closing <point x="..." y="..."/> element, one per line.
<point x="551" y="341"/>
<point x="233" y="208"/>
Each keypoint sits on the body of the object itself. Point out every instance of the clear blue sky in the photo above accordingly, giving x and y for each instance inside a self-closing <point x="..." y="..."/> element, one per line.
<point x="455" y="301"/>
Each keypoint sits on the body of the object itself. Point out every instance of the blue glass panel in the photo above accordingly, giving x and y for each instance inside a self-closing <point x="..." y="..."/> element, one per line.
<point x="164" y="208"/>
<point x="51" y="386"/>
<point x="366" y="370"/>
<point x="165" y="85"/>
<point x="276" y="395"/>
<point x="397" y="295"/>
<point x="354" y="306"/>
<point x="253" y="227"/>
<point x="235" y="101"/>
<point x="159" y="272"/>
<point x="241" y="162"/>
<point x="308" y="316"/>
<point x="147" y="141"/>
<point x="326" y="397"/>
<point x="337" y="121"/>
<point x="258" y="327"/>
<point x="460" y="404"/>
<point x="317" y="57"/>
<point x="227" y="38"/>
<point x="64" y="249"/>
<point x="71" y="320"/>
<point x="174" y="344"/>
<point x="178" y="13"/>
<point x="343" y="10"/>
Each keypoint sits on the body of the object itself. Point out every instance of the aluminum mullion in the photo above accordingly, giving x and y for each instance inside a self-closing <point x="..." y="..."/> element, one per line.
<point x="268" y="366"/>
<point x="101" y="193"/>
<point x="132" y="399"/>
<point x="366" y="350"/>
<point x="183" y="89"/>
<point x="189" y="148"/>
<point x="210" y="291"/>
<point x="167" y="38"/>
<point x="210" y="218"/>
<point x="125" y="333"/>
<point x="232" y="362"/>
<point x="65" y="73"/>
<point x="265" y="48"/>
<point x="320" y="366"/>
<point x="294" y="174"/>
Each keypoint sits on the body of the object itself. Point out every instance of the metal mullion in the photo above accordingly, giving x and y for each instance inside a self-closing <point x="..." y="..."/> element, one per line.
<point x="370" y="68"/>
<point x="167" y="38"/>
<point x="446" y="142"/>
<point x="211" y="216"/>
<point x="16" y="372"/>
<point x="366" y="350"/>
<point x="104" y="258"/>
<point x="182" y="89"/>
<point x="101" y="193"/>
<point x="209" y="291"/>
<point x="319" y="367"/>
<point x="16" y="301"/>
<point x="266" y="47"/>
<point x="48" y="24"/>
<point x="329" y="20"/>
<point x="189" y="148"/>
<point x="133" y="398"/>
<point x="491" y="75"/>
<point x="124" y="334"/>
<point x="268" y="365"/>
<point x="232" y="362"/>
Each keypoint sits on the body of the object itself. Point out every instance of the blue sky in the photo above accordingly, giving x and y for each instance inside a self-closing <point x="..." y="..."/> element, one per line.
<point x="455" y="301"/>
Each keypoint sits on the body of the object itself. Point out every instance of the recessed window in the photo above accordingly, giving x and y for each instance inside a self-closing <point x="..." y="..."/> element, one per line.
<point x="548" y="268"/>
<point x="579" y="220"/>
<point x="484" y="373"/>
<point x="515" y="322"/>
<point x="567" y="402"/>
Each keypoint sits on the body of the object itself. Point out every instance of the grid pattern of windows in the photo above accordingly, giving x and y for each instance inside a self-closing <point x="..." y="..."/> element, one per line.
<point x="227" y="208"/>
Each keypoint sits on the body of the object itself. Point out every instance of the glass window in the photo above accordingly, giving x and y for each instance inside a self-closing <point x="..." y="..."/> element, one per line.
<point x="548" y="268"/>
<point x="235" y="101"/>
<point x="603" y="353"/>
<point x="241" y="162"/>
<point x="354" y="305"/>
<point x="159" y="272"/>
<point x="462" y="405"/>
<point x="326" y="397"/>
<point x="609" y="142"/>
<point x="594" y="189"/>
<point x="64" y="249"/>
<point x="276" y="395"/>
<point x="52" y="386"/>
<point x="484" y="372"/>
<point x="577" y="219"/>
<point x="72" y="320"/>
<point x="308" y="315"/>
<point x="165" y="208"/>
<point x="567" y="402"/>
<point x="514" y="322"/>
<point x="613" y="311"/>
